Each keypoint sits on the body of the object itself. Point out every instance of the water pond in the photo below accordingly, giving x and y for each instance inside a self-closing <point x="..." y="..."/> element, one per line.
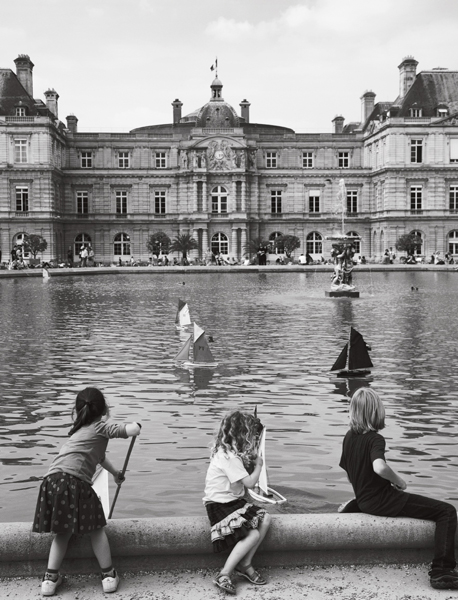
<point x="275" y="338"/>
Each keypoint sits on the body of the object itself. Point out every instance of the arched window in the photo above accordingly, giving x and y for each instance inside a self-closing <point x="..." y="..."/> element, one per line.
<point x="220" y="244"/>
<point x="18" y="240"/>
<point x="219" y="199"/>
<point x="453" y="242"/>
<point x="82" y="239"/>
<point x="121" y="245"/>
<point x="356" y="243"/>
<point x="418" y="249"/>
<point x="314" y="243"/>
<point x="277" y="249"/>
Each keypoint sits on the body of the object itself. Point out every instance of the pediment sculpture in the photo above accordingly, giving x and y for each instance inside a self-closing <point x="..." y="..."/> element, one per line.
<point x="220" y="155"/>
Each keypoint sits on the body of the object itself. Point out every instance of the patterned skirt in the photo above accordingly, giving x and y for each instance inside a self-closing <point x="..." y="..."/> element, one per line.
<point x="67" y="504"/>
<point x="230" y="522"/>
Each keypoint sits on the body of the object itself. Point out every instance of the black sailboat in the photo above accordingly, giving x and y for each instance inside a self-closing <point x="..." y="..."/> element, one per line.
<point x="354" y="360"/>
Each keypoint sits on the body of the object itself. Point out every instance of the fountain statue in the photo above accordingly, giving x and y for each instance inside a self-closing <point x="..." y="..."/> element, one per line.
<point x="343" y="251"/>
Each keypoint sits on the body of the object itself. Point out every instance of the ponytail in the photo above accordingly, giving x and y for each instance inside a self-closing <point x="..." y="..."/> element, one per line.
<point x="90" y="404"/>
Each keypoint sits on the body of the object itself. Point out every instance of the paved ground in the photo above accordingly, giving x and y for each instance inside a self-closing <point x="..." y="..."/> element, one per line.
<point x="384" y="582"/>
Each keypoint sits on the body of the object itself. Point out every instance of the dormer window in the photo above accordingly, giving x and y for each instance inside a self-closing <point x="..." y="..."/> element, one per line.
<point x="441" y="112"/>
<point x="416" y="112"/>
<point x="20" y="111"/>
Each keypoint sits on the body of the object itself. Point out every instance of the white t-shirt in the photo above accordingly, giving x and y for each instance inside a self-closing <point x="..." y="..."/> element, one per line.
<point x="224" y="478"/>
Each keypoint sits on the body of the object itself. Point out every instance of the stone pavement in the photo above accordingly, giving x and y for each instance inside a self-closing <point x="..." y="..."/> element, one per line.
<point x="379" y="582"/>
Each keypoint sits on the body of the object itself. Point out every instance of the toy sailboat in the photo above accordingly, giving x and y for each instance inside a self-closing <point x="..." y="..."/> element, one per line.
<point x="262" y="492"/>
<point x="100" y="486"/>
<point x="45" y="273"/>
<point x="354" y="360"/>
<point x="201" y="353"/>
<point x="183" y="318"/>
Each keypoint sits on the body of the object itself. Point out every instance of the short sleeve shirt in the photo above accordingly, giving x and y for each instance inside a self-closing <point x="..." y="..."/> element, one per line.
<point x="224" y="478"/>
<point x="374" y="494"/>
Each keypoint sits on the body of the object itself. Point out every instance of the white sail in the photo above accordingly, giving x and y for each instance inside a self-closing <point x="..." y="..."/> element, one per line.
<point x="262" y="482"/>
<point x="183" y="317"/>
<point x="183" y="354"/>
<point x="100" y="486"/>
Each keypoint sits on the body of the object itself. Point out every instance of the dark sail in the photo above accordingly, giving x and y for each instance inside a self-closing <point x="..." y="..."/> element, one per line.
<point x="341" y="362"/>
<point x="359" y="356"/>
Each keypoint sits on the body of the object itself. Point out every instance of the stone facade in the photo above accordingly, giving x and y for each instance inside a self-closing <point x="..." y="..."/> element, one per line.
<point x="225" y="180"/>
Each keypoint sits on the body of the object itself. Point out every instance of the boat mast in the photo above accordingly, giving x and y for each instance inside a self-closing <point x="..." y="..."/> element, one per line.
<point x="347" y="366"/>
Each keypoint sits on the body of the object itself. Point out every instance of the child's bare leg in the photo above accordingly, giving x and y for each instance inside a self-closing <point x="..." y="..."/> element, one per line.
<point x="263" y="529"/>
<point x="240" y="550"/>
<point x="58" y="550"/>
<point x="101" y="548"/>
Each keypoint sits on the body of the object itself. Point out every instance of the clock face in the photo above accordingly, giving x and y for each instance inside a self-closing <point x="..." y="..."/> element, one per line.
<point x="219" y="154"/>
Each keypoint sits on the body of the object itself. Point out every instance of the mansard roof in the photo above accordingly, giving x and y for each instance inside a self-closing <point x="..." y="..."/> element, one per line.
<point x="13" y="95"/>
<point x="429" y="90"/>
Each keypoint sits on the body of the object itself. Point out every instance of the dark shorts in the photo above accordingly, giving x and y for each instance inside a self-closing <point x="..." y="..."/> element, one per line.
<point x="67" y="504"/>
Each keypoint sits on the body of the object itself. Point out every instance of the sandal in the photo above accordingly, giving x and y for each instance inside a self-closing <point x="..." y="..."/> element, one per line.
<point x="224" y="582"/>
<point x="253" y="576"/>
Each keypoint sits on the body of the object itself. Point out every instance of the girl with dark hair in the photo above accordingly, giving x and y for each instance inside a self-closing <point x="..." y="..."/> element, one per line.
<point x="236" y="524"/>
<point x="67" y="504"/>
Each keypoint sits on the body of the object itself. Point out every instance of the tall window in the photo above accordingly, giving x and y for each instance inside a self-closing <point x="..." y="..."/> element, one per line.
<point x="22" y="198"/>
<point x="314" y="243"/>
<point x="82" y="239"/>
<point x="416" y="196"/>
<point x="271" y="160"/>
<point x="415" y="112"/>
<point x="275" y="201"/>
<point x="121" y="202"/>
<point x="352" y="201"/>
<point x="307" y="160"/>
<point x="454" y="150"/>
<point x="123" y="160"/>
<point x="453" y="242"/>
<point x="416" y="151"/>
<point x="453" y="197"/>
<point x="277" y="248"/>
<point x="121" y="245"/>
<point x="219" y="199"/>
<point x="356" y="243"/>
<point x="220" y="243"/>
<point x="418" y="249"/>
<point x="161" y="160"/>
<point x="82" y="203"/>
<point x="159" y="202"/>
<point x="314" y="201"/>
<point x="86" y="160"/>
<point x="20" y="151"/>
<point x="20" y="111"/>
<point x="344" y="160"/>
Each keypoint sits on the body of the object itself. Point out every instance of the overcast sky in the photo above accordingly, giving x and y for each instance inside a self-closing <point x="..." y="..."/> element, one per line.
<point x="119" y="64"/>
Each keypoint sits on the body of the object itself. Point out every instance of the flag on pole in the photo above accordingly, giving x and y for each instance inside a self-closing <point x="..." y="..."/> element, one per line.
<point x="214" y="65"/>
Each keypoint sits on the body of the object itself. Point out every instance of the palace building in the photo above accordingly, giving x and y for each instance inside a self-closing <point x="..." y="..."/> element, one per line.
<point x="216" y="175"/>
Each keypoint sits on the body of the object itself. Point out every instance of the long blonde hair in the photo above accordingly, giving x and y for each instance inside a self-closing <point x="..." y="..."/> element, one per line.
<point x="367" y="412"/>
<point x="238" y="433"/>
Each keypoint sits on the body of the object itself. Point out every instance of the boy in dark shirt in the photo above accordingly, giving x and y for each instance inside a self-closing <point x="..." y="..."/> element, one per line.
<point x="380" y="491"/>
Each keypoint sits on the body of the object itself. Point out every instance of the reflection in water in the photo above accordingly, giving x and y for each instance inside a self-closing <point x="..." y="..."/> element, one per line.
<point x="275" y="338"/>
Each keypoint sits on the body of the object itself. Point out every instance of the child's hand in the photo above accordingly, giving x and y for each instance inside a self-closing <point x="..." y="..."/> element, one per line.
<point x="119" y="478"/>
<point x="401" y="485"/>
<point x="259" y="461"/>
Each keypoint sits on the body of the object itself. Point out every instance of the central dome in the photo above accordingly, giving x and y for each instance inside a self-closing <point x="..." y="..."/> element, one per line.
<point x="215" y="113"/>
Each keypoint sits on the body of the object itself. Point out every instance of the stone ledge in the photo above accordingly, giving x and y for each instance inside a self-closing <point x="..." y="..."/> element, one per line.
<point x="184" y="542"/>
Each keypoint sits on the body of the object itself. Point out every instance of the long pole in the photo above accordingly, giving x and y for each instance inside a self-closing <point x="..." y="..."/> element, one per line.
<point x="126" y="462"/>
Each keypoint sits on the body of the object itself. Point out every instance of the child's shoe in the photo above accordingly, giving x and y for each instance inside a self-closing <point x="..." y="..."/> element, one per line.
<point x="445" y="580"/>
<point x="110" y="581"/>
<point x="49" y="585"/>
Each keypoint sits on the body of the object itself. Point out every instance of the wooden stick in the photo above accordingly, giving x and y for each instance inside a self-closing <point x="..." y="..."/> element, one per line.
<point x="126" y="462"/>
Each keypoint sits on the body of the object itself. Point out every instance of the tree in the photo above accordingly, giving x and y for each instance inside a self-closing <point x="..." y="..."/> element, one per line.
<point x="184" y="243"/>
<point x="289" y="243"/>
<point x="34" y="243"/>
<point x="255" y="245"/>
<point x="158" y="242"/>
<point x="410" y="243"/>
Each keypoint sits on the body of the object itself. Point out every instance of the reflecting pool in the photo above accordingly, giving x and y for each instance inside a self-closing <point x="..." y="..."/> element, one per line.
<point x="275" y="338"/>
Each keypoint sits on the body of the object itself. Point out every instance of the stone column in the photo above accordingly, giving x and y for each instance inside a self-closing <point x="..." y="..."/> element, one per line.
<point x="204" y="240"/>
<point x="195" y="235"/>
<point x="194" y="196"/>
<point x="233" y="205"/>
<point x="243" y="196"/>
<point x="233" y="251"/>
<point x="243" y="242"/>
<point x="204" y="199"/>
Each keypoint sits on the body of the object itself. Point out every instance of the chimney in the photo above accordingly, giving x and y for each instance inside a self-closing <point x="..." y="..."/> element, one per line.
<point x="72" y="123"/>
<point x="367" y="105"/>
<point x="407" y="74"/>
<point x="338" y="124"/>
<point x="24" y="68"/>
<point x="176" y="111"/>
<point x="245" y="110"/>
<point x="51" y="101"/>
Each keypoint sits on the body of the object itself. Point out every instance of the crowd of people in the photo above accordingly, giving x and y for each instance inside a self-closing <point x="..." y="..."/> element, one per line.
<point x="67" y="504"/>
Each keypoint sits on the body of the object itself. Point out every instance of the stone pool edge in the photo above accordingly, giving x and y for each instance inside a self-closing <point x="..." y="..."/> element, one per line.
<point x="184" y="543"/>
